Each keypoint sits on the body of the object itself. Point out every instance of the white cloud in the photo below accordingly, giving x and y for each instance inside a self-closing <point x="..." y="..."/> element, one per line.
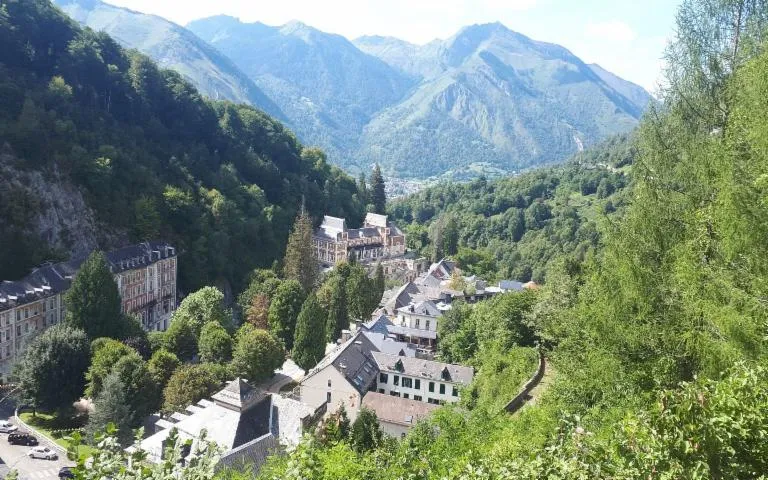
<point x="612" y="30"/>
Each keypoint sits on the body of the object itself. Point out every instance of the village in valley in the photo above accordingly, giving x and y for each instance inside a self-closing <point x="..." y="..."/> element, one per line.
<point x="384" y="363"/>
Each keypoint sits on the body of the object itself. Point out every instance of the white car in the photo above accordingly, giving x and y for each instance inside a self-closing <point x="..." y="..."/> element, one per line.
<point x="42" y="452"/>
<point x="7" y="427"/>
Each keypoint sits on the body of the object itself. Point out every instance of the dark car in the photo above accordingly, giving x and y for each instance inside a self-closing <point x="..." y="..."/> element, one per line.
<point x="66" y="472"/>
<point x="22" y="439"/>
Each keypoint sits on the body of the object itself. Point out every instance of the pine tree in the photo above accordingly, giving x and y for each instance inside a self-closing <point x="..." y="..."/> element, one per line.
<point x="362" y="188"/>
<point x="378" y="192"/>
<point x="366" y="432"/>
<point x="284" y="309"/>
<point x="93" y="301"/>
<point x="338" y="315"/>
<point x="300" y="257"/>
<point x="309" y="342"/>
<point x="111" y="406"/>
<point x="379" y="283"/>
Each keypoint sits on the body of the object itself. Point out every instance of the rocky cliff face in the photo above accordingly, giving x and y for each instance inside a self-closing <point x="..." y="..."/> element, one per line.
<point x="49" y="209"/>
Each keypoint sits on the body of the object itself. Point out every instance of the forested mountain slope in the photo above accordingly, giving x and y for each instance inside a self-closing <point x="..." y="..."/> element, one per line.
<point x="517" y="227"/>
<point x="174" y="47"/>
<point x="137" y="153"/>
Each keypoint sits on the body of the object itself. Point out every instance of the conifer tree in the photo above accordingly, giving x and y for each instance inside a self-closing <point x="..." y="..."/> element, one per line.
<point x="338" y="315"/>
<point x="300" y="262"/>
<point x="309" y="342"/>
<point x="284" y="309"/>
<point x="378" y="192"/>
<point x="93" y="301"/>
<point x="379" y="283"/>
<point x="111" y="406"/>
<point x="366" y="432"/>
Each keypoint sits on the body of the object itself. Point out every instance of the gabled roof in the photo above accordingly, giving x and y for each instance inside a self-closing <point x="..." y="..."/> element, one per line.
<point x="425" y="369"/>
<point x="353" y="360"/>
<point x="426" y="308"/>
<point x="385" y="344"/>
<point x="401" y="411"/>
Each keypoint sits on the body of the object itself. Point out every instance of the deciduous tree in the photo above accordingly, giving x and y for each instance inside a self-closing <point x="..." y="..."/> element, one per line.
<point x="284" y="309"/>
<point x="257" y="355"/>
<point x="215" y="344"/>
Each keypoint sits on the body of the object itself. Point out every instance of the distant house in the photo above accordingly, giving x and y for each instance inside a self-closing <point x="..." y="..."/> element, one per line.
<point x="397" y="415"/>
<point x="376" y="241"/>
<point x="419" y="379"/>
<point x="247" y="424"/>
<point x="417" y="324"/>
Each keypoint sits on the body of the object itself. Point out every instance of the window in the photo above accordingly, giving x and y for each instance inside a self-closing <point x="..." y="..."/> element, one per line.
<point x="427" y="327"/>
<point x="431" y="387"/>
<point x="455" y="392"/>
<point x="26" y="328"/>
<point x="417" y="385"/>
<point x="329" y="383"/>
<point x="442" y="389"/>
<point x="383" y="378"/>
<point x="433" y="401"/>
<point x="18" y="330"/>
<point x="407" y="382"/>
<point x="328" y="397"/>
<point x="405" y="395"/>
<point x="418" y="321"/>
<point x="381" y="390"/>
<point x="417" y="398"/>
<point x="402" y="435"/>
<point x="396" y="380"/>
<point x="395" y="394"/>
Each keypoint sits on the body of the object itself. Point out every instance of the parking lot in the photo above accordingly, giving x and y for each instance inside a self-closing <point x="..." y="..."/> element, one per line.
<point x="14" y="457"/>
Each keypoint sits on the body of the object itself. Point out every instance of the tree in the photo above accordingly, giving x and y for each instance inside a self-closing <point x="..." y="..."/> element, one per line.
<point x="257" y="355"/>
<point x="284" y="309"/>
<point x="93" y="302"/>
<point x="309" y="342"/>
<point x="300" y="262"/>
<point x="147" y="220"/>
<point x="366" y="432"/>
<point x="141" y="344"/>
<point x="379" y="283"/>
<point x="203" y="306"/>
<point x="215" y="344"/>
<point x="180" y="339"/>
<point x="335" y="428"/>
<point x="111" y="407"/>
<point x="106" y="352"/>
<point x="362" y="294"/>
<point x="52" y="371"/>
<point x="338" y="316"/>
<point x="257" y="313"/>
<point x="188" y="385"/>
<point x="378" y="191"/>
<point x="143" y="395"/>
<point x="156" y="340"/>
<point x="161" y="366"/>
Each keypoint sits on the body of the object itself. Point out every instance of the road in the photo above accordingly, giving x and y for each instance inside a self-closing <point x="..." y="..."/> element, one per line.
<point x="14" y="457"/>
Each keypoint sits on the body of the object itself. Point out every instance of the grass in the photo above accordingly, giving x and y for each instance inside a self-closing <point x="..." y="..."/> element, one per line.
<point x="56" y="428"/>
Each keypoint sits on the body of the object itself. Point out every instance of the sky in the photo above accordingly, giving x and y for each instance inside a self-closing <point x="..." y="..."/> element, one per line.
<point x="626" y="37"/>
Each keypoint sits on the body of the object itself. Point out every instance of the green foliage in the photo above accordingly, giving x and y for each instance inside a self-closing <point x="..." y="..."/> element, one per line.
<point x="499" y="378"/>
<point x="338" y="316"/>
<point x="201" y="307"/>
<point x="378" y="191"/>
<point x="52" y="371"/>
<point x="335" y="428"/>
<point x="161" y="366"/>
<point x="180" y="339"/>
<point x="309" y="343"/>
<point x="284" y="309"/>
<point x="257" y="354"/>
<point x="93" y="302"/>
<point x="150" y="154"/>
<point x="141" y="391"/>
<point x="188" y="385"/>
<point x="366" y="433"/>
<point x="156" y="340"/>
<point x="111" y="407"/>
<point x="105" y="353"/>
<point x="300" y="262"/>
<point x="215" y="344"/>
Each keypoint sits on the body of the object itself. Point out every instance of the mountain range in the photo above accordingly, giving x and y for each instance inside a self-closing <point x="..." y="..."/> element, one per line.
<point x="486" y="99"/>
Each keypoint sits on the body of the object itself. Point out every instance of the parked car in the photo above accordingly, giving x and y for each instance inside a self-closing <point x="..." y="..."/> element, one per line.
<point x="66" y="472"/>
<point x="22" y="439"/>
<point x="7" y="427"/>
<point x="42" y="452"/>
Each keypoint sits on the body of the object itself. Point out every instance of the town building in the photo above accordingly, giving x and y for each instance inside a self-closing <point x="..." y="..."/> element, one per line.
<point x="397" y="415"/>
<point x="345" y="375"/>
<point x="419" y="379"/>
<point x="146" y="277"/>
<point x="246" y="423"/>
<point x="377" y="241"/>
<point x="371" y="361"/>
<point x="416" y="324"/>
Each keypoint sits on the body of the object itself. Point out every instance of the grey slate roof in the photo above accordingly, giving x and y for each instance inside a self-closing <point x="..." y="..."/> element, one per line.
<point x="353" y="360"/>
<point x="511" y="285"/>
<point x="385" y="344"/>
<point x="400" y="411"/>
<point x="425" y="369"/>
<point x="426" y="308"/>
